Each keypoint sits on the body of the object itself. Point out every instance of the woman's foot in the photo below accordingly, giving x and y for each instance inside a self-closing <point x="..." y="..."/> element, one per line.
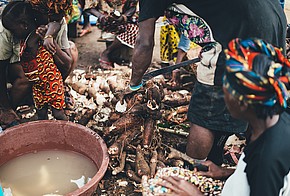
<point x="85" y="31"/>
<point x="105" y="62"/>
<point x="106" y="65"/>
<point x="59" y="114"/>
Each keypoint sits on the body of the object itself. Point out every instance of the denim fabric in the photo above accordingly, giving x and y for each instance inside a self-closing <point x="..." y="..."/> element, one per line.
<point x="207" y="109"/>
<point x="184" y="43"/>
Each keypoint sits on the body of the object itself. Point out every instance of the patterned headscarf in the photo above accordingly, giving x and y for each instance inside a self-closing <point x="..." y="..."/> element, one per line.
<point x="257" y="73"/>
<point x="52" y="7"/>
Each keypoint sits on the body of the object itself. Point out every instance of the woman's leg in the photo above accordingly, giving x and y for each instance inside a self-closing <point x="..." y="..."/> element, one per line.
<point x="66" y="67"/>
<point x="199" y="142"/>
<point x="82" y="3"/>
<point x="105" y="61"/>
<point x="87" y="25"/>
<point x="43" y="113"/>
<point x="74" y="55"/>
<point x="21" y="86"/>
<point x="58" y="114"/>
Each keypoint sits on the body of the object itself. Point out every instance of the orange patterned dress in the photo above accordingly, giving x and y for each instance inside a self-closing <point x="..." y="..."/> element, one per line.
<point x="47" y="81"/>
<point x="52" y="7"/>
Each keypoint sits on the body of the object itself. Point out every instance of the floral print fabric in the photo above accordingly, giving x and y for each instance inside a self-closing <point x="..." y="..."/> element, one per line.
<point x="193" y="27"/>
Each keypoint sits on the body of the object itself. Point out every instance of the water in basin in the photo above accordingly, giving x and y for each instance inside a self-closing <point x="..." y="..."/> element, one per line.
<point x="47" y="172"/>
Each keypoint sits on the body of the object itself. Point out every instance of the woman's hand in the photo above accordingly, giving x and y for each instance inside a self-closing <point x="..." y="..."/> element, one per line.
<point x="41" y="31"/>
<point x="8" y="118"/>
<point x="179" y="187"/>
<point x="49" y="45"/>
<point x="48" y="41"/>
<point x="215" y="172"/>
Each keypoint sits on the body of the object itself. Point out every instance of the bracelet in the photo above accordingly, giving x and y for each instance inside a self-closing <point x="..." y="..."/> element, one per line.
<point x="47" y="36"/>
<point x="135" y="88"/>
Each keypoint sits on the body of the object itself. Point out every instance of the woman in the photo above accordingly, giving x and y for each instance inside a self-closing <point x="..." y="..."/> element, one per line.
<point x="49" y="14"/>
<point x="255" y="87"/>
<point x="89" y="7"/>
<point x="52" y="14"/>
<point x="116" y="17"/>
<point x="36" y="61"/>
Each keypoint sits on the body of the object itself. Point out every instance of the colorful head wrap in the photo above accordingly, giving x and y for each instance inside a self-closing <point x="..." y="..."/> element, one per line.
<point x="257" y="73"/>
<point x="52" y="7"/>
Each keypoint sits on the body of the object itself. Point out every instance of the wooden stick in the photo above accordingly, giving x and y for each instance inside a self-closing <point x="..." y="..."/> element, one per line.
<point x="176" y="154"/>
<point x="175" y="131"/>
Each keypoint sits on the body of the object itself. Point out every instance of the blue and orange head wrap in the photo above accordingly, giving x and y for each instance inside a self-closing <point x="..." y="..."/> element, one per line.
<point x="257" y="73"/>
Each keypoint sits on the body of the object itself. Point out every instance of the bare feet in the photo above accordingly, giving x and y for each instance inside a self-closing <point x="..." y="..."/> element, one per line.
<point x="105" y="62"/>
<point x="106" y="65"/>
<point x="85" y="31"/>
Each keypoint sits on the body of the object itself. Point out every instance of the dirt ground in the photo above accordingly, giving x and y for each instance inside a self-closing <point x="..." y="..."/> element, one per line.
<point x="90" y="49"/>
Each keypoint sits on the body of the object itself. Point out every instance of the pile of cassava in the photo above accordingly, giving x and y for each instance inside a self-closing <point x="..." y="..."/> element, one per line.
<point x="144" y="131"/>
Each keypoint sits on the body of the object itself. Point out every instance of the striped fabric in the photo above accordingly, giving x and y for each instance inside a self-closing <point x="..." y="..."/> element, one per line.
<point x="243" y="80"/>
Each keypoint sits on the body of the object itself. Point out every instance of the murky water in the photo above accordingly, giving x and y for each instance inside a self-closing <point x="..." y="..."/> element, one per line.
<point x="46" y="172"/>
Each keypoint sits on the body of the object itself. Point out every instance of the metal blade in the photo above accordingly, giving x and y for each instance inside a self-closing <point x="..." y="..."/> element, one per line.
<point x="170" y="68"/>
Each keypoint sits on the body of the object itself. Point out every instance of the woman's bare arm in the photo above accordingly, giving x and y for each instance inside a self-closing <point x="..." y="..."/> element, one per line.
<point x="143" y="50"/>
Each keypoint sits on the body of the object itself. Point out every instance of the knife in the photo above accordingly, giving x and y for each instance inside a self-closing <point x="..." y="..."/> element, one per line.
<point x="167" y="69"/>
<point x="120" y="107"/>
